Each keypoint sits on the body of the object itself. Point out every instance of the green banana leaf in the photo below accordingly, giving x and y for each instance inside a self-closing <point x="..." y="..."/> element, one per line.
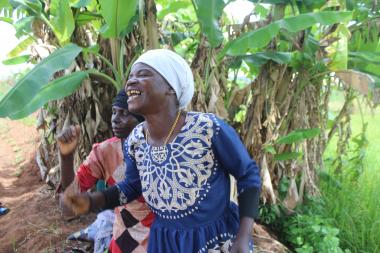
<point x="4" y="4"/>
<point x="256" y="60"/>
<point x="271" y="1"/>
<point x="208" y="13"/>
<point x="261" y="37"/>
<point x="172" y="7"/>
<point x="23" y="26"/>
<point x="7" y="20"/>
<point x="261" y="58"/>
<point x="87" y="17"/>
<point x="33" y="6"/>
<point x="365" y="56"/>
<point x="287" y="156"/>
<point x="17" y="60"/>
<point x="57" y="89"/>
<point x="21" y="47"/>
<point x="62" y="22"/>
<point x="117" y="14"/>
<point x="299" y="135"/>
<point x="28" y="86"/>
<point x="79" y="3"/>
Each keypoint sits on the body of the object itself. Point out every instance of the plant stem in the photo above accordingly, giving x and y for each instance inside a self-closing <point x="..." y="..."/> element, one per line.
<point x="109" y="64"/>
<point x="97" y="73"/>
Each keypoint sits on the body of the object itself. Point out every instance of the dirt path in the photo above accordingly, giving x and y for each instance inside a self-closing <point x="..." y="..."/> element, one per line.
<point x="34" y="222"/>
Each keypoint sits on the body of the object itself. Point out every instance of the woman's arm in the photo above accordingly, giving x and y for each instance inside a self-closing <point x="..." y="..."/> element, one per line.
<point x="117" y="195"/>
<point x="67" y="142"/>
<point x="235" y="160"/>
<point x="244" y="236"/>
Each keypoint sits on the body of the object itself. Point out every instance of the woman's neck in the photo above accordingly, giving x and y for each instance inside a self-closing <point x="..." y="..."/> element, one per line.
<point x="160" y="125"/>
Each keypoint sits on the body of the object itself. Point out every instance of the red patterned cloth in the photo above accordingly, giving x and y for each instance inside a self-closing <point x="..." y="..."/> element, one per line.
<point x="132" y="221"/>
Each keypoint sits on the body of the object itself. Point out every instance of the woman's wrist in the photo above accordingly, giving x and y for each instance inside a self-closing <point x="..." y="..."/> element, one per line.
<point x="246" y="227"/>
<point x="96" y="201"/>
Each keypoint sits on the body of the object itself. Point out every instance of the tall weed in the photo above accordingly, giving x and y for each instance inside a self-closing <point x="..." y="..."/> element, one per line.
<point x="352" y="197"/>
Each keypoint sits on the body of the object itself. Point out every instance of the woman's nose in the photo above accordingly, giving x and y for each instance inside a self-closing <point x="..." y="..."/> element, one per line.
<point x="115" y="119"/>
<point x="130" y="81"/>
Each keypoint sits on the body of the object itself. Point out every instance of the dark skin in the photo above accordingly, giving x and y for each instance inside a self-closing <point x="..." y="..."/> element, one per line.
<point x="158" y="104"/>
<point x="122" y="124"/>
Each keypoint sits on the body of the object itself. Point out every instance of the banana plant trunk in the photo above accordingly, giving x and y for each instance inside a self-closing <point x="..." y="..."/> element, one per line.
<point x="90" y="106"/>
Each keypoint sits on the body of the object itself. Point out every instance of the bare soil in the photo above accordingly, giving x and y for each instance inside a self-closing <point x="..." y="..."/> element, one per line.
<point x="34" y="222"/>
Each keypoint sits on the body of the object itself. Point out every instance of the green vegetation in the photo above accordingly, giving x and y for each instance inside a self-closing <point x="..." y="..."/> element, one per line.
<point x="307" y="229"/>
<point x="345" y="217"/>
<point x="5" y="86"/>
<point x="353" y="203"/>
<point x="270" y="77"/>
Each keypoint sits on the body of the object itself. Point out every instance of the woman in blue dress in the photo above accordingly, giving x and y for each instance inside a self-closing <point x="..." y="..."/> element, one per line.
<point x="181" y="163"/>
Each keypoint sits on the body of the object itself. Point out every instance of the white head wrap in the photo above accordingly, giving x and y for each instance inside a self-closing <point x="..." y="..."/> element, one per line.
<point x="174" y="69"/>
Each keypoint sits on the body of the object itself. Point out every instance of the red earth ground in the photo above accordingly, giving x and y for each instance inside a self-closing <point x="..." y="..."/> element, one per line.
<point x="34" y="222"/>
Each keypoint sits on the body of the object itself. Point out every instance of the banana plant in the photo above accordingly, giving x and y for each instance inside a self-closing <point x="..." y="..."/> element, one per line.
<point x="60" y="18"/>
<point x="261" y="37"/>
<point x="209" y="13"/>
<point x="40" y="86"/>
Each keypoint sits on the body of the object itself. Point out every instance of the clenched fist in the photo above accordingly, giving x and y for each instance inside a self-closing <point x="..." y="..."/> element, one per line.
<point x="68" y="140"/>
<point x="79" y="203"/>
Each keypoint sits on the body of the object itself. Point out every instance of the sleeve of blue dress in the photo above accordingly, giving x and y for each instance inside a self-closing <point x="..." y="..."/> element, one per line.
<point x="235" y="160"/>
<point x="129" y="189"/>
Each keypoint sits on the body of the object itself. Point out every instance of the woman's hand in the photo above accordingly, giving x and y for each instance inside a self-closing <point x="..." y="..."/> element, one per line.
<point x="68" y="140"/>
<point x="241" y="244"/>
<point x="79" y="203"/>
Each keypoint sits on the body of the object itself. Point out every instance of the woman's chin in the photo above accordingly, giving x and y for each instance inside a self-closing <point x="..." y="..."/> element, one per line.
<point x="134" y="107"/>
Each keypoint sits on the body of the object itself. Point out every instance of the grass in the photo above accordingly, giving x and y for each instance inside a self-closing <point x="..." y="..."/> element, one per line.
<point x="354" y="203"/>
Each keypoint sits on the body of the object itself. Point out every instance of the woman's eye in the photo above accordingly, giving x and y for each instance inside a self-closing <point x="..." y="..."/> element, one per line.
<point x="143" y="74"/>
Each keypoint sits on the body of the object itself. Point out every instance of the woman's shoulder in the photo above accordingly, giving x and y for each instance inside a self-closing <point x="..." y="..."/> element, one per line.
<point x="138" y="131"/>
<point x="201" y="122"/>
<point x="205" y="118"/>
<point x="136" y="135"/>
<point x="107" y="146"/>
<point x="134" y="140"/>
<point x="202" y="116"/>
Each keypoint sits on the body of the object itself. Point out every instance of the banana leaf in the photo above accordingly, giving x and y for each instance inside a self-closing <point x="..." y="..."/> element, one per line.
<point x="262" y="36"/>
<point x="28" y="86"/>
<point x="208" y="13"/>
<point x="117" y="14"/>
<point x="57" y="89"/>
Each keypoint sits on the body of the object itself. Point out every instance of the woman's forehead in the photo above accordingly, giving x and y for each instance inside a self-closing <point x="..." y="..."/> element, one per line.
<point x="119" y="108"/>
<point x="141" y="66"/>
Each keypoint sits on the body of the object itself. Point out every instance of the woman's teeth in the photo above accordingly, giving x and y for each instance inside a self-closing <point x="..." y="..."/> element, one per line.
<point x="132" y="94"/>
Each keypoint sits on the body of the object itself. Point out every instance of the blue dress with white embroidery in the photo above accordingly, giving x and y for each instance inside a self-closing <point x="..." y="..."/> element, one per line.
<point x="186" y="184"/>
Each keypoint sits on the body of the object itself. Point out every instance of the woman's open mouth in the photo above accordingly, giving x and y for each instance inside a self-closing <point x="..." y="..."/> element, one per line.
<point x="133" y="94"/>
